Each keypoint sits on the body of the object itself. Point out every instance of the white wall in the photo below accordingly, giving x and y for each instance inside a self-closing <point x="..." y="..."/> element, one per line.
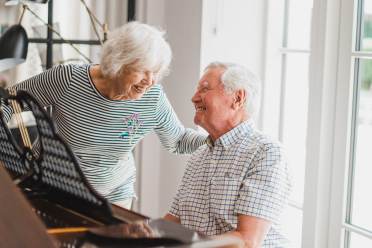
<point x="161" y="171"/>
<point x="189" y="26"/>
<point x="233" y="30"/>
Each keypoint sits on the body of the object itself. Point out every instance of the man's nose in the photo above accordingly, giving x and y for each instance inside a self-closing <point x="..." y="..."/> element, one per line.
<point x="195" y="97"/>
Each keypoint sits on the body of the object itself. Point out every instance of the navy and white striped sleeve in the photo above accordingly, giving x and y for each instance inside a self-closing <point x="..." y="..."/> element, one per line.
<point x="47" y="87"/>
<point x="172" y="134"/>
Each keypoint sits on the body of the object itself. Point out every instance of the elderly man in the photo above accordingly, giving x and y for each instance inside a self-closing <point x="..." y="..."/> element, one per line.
<point x="238" y="183"/>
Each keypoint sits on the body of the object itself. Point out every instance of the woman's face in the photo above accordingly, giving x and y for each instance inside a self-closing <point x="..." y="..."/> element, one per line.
<point x="134" y="82"/>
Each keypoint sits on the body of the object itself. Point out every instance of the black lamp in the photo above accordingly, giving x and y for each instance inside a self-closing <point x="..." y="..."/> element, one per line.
<point x="13" y="44"/>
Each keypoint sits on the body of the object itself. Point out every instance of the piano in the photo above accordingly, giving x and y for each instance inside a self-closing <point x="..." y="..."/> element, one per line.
<point x="52" y="195"/>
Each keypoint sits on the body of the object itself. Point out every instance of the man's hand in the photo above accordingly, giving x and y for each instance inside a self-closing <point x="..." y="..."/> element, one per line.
<point x="172" y="218"/>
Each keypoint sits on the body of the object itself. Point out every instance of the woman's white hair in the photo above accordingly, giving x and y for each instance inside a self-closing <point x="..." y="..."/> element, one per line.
<point x="237" y="77"/>
<point x="136" y="45"/>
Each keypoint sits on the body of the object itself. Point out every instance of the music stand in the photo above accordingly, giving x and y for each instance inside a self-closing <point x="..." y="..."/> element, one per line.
<point x="55" y="171"/>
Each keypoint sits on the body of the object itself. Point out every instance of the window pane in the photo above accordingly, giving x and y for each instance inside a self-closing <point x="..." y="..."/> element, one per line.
<point x="366" y="30"/>
<point x="362" y="183"/>
<point x="358" y="241"/>
<point x="292" y="225"/>
<point x="273" y="68"/>
<point x="299" y="21"/>
<point x="295" y="119"/>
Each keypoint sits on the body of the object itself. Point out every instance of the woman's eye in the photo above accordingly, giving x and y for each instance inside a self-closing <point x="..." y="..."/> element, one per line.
<point x="148" y="73"/>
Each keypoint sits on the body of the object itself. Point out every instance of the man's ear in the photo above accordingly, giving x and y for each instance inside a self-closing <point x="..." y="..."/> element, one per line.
<point x="239" y="99"/>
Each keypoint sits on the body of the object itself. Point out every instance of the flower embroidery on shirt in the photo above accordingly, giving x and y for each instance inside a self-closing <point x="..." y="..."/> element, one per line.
<point x="133" y="124"/>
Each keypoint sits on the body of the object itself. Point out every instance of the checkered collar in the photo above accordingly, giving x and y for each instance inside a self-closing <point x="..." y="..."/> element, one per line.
<point x="232" y="136"/>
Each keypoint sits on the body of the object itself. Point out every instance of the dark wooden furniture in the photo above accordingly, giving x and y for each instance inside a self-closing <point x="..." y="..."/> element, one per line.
<point x="19" y="226"/>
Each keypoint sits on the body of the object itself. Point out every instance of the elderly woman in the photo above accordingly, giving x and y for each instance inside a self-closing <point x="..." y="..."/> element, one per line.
<point x="103" y="110"/>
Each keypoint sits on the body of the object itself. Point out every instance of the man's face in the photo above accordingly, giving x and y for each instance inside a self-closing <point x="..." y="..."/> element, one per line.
<point x="212" y="103"/>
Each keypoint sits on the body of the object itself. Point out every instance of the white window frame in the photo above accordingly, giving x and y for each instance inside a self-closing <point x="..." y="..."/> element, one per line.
<point x="354" y="104"/>
<point x="328" y="142"/>
<point x="276" y="91"/>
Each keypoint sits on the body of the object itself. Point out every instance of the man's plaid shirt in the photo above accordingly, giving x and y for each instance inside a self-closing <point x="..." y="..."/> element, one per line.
<point x="243" y="172"/>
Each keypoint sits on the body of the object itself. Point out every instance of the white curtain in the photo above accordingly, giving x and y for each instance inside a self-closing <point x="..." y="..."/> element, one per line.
<point x="112" y="12"/>
<point x="75" y="22"/>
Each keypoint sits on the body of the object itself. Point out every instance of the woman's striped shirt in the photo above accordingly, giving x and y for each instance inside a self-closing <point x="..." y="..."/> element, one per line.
<point x="103" y="132"/>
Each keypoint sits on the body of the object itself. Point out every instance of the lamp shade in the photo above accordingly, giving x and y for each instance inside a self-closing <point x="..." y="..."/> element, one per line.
<point x="13" y="47"/>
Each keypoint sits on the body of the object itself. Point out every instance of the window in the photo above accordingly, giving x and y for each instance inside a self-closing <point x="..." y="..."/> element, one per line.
<point x="358" y="221"/>
<point x="337" y="203"/>
<point x="285" y="102"/>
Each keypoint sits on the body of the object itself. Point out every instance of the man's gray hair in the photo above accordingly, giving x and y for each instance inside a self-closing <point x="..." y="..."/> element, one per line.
<point x="135" y="44"/>
<point x="236" y="77"/>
